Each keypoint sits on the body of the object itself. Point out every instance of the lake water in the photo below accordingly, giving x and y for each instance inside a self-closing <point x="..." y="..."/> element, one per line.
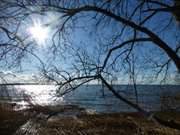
<point x="91" y="96"/>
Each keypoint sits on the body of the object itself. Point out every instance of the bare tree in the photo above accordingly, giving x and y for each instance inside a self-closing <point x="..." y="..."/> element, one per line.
<point x="117" y="29"/>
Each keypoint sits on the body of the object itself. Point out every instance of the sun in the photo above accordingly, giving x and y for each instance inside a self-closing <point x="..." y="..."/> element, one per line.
<point x="39" y="32"/>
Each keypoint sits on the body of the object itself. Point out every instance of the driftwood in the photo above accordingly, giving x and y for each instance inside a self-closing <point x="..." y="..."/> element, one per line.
<point x="168" y="123"/>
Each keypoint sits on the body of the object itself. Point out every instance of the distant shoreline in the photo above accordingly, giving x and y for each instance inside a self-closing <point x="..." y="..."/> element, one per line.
<point x="1" y="84"/>
<point x="25" y="84"/>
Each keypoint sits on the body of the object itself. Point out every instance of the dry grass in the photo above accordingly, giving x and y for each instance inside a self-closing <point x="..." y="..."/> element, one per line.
<point x="104" y="124"/>
<point x="84" y="124"/>
<point x="169" y="115"/>
<point x="10" y="121"/>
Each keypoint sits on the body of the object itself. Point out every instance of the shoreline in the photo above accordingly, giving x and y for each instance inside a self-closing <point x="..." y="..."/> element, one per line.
<point x="97" y="124"/>
<point x="67" y="120"/>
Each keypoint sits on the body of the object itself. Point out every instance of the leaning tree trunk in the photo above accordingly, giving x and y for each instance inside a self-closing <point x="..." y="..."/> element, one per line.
<point x="176" y="12"/>
<point x="171" y="124"/>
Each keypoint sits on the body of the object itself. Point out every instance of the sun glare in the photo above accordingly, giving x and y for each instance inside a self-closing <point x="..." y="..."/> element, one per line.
<point x="39" y="32"/>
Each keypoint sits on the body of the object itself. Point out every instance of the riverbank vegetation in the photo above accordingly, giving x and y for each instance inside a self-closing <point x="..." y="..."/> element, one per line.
<point x="29" y="122"/>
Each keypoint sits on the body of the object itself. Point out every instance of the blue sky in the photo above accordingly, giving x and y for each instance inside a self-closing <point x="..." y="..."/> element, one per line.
<point x="89" y="39"/>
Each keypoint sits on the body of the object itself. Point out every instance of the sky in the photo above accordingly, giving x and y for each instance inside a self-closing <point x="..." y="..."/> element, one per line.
<point x="88" y="39"/>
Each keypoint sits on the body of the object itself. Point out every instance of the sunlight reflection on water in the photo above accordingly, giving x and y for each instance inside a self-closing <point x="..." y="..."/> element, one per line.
<point x="41" y="94"/>
<point x="91" y="97"/>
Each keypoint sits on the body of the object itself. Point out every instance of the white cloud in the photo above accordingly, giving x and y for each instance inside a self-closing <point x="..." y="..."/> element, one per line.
<point x="10" y="77"/>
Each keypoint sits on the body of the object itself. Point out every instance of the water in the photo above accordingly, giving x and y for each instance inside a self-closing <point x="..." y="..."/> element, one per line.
<point x="91" y="96"/>
<point x="149" y="97"/>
